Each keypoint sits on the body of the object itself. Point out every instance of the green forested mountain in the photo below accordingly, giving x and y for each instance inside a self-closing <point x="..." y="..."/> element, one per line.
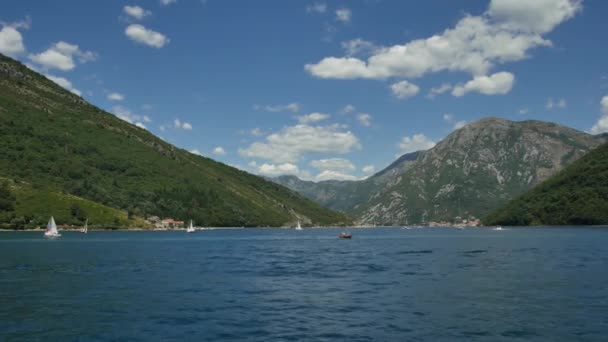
<point x="576" y="195"/>
<point x="53" y="142"/>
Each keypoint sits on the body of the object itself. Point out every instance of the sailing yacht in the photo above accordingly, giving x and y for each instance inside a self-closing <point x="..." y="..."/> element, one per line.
<point x="298" y="227"/>
<point x="190" y="228"/>
<point x="85" y="229"/>
<point x="51" y="229"/>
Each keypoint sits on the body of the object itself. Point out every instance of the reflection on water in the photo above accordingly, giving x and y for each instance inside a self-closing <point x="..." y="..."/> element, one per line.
<point x="256" y="285"/>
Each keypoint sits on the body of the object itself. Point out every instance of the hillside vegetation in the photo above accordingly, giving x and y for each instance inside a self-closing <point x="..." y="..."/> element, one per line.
<point x="58" y="143"/>
<point x="576" y="195"/>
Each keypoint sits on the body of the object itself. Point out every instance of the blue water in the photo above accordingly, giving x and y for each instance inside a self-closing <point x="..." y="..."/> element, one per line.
<point x="286" y="285"/>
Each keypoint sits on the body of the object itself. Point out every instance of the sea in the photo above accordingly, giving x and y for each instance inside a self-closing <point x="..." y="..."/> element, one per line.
<point x="384" y="284"/>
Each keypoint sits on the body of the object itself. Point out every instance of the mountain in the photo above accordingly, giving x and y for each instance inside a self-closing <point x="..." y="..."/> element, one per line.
<point x="56" y="143"/>
<point x="347" y="196"/>
<point x="473" y="171"/>
<point x="576" y="195"/>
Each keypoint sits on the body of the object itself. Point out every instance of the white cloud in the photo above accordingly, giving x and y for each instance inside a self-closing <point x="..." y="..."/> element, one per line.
<point x="443" y="88"/>
<point x="219" y="150"/>
<point x="177" y="123"/>
<point x="449" y="118"/>
<point x="187" y="126"/>
<point x="11" y="41"/>
<point x="317" y="7"/>
<point x="533" y="16"/>
<point x="273" y="170"/>
<point x="601" y="126"/>
<point x="334" y="175"/>
<point x="364" y="119"/>
<point x="369" y="169"/>
<point x="348" y="109"/>
<point x="343" y="15"/>
<point x="290" y="143"/>
<point x="417" y="142"/>
<point x="64" y="83"/>
<point x="136" y="12"/>
<point x="475" y="44"/>
<point x="557" y="104"/>
<point x="524" y="111"/>
<point x="167" y="2"/>
<point x="334" y="164"/>
<point x="140" y="34"/>
<point x="257" y="132"/>
<point x="195" y="151"/>
<point x="496" y="84"/>
<point x="312" y="117"/>
<point x="62" y="56"/>
<point x="291" y="107"/>
<point x="459" y="124"/>
<point x="128" y="116"/>
<point x="358" y="46"/>
<point x="404" y="89"/>
<point x="115" y="97"/>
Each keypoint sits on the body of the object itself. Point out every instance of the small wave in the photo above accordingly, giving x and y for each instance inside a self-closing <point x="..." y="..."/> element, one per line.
<point x="423" y="251"/>
<point x="475" y="251"/>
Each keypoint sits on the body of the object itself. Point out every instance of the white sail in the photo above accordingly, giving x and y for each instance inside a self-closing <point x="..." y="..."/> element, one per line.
<point x="190" y="228"/>
<point x="85" y="229"/>
<point x="51" y="228"/>
<point x="298" y="227"/>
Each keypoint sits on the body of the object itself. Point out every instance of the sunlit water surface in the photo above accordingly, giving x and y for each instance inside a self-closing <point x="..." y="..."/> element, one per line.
<point x="286" y="285"/>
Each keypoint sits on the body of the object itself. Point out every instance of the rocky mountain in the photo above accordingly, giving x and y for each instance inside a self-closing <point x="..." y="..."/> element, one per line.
<point x="57" y="146"/>
<point x="576" y="195"/>
<point x="473" y="171"/>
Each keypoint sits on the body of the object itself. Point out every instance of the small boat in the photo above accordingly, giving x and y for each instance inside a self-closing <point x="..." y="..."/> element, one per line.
<point x="51" y="229"/>
<point x="85" y="229"/>
<point x="190" y="228"/>
<point x="497" y="228"/>
<point x="345" y="235"/>
<point x="298" y="227"/>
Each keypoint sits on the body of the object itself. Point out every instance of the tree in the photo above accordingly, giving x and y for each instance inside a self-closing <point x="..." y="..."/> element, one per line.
<point x="7" y="199"/>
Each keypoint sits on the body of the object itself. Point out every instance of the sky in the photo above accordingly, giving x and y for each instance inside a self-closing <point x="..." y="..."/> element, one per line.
<point x="319" y="89"/>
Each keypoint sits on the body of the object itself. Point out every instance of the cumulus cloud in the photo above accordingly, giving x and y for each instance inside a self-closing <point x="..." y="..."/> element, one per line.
<point x="334" y="175"/>
<point x="404" y="89"/>
<point x="312" y="117"/>
<point x="358" y="46"/>
<point x="343" y="15"/>
<point x="291" y="107"/>
<point x="130" y="117"/>
<point x="136" y="12"/>
<point x="334" y="164"/>
<point x="195" y="151"/>
<point x="443" y="88"/>
<point x="219" y="151"/>
<point x="177" y="123"/>
<point x="555" y="104"/>
<point x="64" y="83"/>
<point x="369" y="169"/>
<point x="62" y="56"/>
<point x="140" y="34"/>
<point x="317" y="7"/>
<point x="115" y="97"/>
<point x="11" y="41"/>
<point x="290" y="143"/>
<point x="257" y="132"/>
<point x="504" y="33"/>
<point x="497" y="84"/>
<point x="167" y="2"/>
<point x="601" y="126"/>
<point x="364" y="119"/>
<point x="524" y="111"/>
<point x="417" y="142"/>
<point x="348" y="109"/>
<point x="449" y="118"/>
<point x="274" y="170"/>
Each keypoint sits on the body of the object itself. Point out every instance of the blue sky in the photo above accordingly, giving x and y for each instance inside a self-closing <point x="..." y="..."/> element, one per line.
<point x="320" y="89"/>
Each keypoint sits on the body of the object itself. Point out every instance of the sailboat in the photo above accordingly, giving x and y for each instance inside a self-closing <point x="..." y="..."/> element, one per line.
<point x="85" y="229"/>
<point x="51" y="229"/>
<point x="298" y="227"/>
<point x="190" y="228"/>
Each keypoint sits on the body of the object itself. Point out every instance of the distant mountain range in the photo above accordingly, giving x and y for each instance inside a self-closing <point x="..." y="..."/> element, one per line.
<point x="470" y="173"/>
<point x="61" y="156"/>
